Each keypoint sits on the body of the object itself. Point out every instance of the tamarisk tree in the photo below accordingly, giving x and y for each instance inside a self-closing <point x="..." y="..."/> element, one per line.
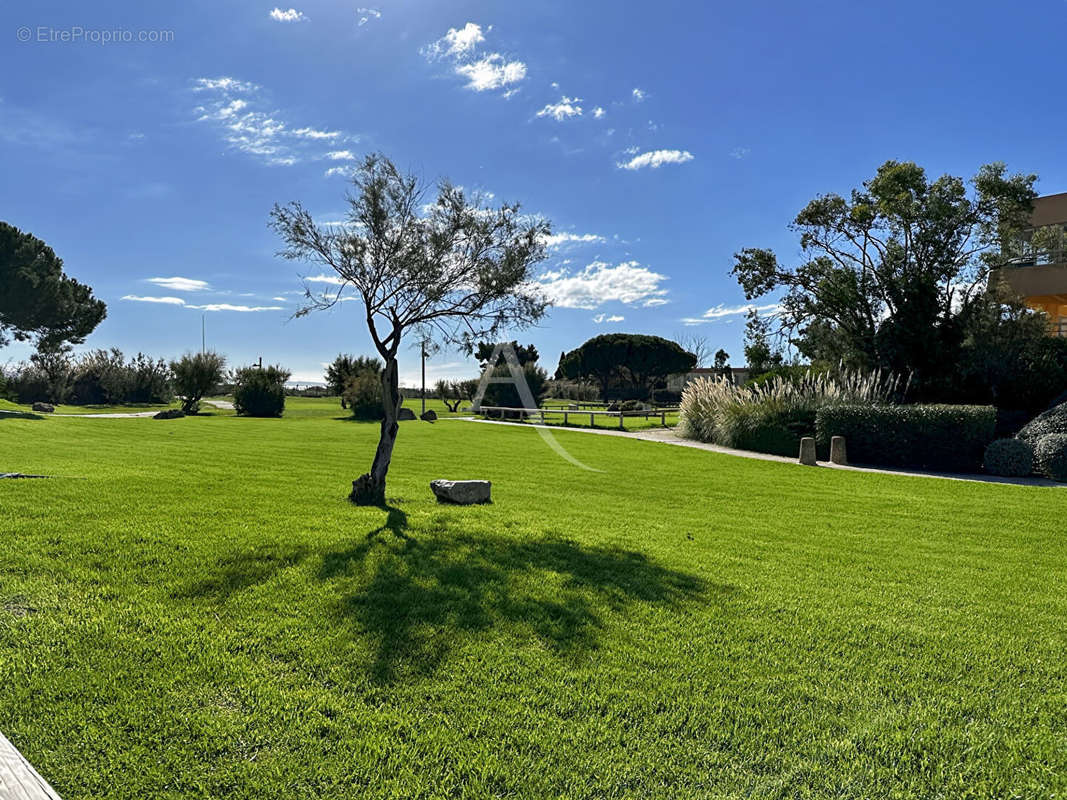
<point x="451" y="268"/>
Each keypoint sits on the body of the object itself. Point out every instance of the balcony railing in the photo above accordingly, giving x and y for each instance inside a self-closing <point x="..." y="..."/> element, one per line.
<point x="1037" y="258"/>
<point x="1059" y="327"/>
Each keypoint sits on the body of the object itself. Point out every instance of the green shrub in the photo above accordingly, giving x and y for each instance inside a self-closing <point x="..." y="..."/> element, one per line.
<point x="935" y="437"/>
<point x="1052" y="421"/>
<point x="1050" y="456"/>
<point x="1011" y="458"/>
<point x="770" y="428"/>
<point x="772" y="417"/>
<point x="507" y="395"/>
<point x="363" y="395"/>
<point x="196" y="374"/>
<point x="260" y="391"/>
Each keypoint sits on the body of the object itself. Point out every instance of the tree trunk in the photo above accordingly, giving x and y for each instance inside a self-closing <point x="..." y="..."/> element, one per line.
<point x="369" y="488"/>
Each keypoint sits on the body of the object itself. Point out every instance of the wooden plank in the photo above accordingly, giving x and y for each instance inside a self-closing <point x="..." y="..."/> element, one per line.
<point x="18" y="779"/>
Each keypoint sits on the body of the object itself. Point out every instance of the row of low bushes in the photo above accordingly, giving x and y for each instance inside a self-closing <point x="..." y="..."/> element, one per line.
<point x="97" y="377"/>
<point x="1041" y="447"/>
<point x="772" y="416"/>
<point x="106" y="377"/>
<point x="934" y="437"/>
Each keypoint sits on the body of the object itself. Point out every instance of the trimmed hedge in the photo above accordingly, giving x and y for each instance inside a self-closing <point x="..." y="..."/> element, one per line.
<point x="1052" y="421"/>
<point x="1012" y="458"/>
<point x="934" y="437"/>
<point x="771" y="429"/>
<point x="1050" y="456"/>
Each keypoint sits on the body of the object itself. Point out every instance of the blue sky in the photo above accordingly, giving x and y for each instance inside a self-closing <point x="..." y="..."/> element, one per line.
<point x="658" y="138"/>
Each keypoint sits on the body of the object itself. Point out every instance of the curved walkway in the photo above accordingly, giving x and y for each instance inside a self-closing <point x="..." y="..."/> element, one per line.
<point x="668" y="436"/>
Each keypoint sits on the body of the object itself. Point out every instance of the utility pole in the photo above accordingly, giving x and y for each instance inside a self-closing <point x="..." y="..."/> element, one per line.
<point x="203" y="336"/>
<point x="423" y="376"/>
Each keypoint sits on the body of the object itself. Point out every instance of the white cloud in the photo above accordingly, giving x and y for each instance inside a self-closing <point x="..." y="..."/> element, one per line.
<point x="292" y="15"/>
<point x="555" y="240"/>
<point x="366" y="14"/>
<point x="236" y="109"/>
<point x="338" y="171"/>
<point x="341" y="155"/>
<point x="566" y="107"/>
<point x="170" y="301"/>
<point x="456" y="43"/>
<point x="723" y="311"/>
<point x="223" y="84"/>
<point x="600" y="283"/>
<point x="279" y="299"/>
<point x="598" y="112"/>
<point x="229" y="307"/>
<point x="656" y="159"/>
<point x="177" y="284"/>
<point x="485" y="71"/>
<point x="652" y="302"/>
<point x="324" y="279"/>
<point x="491" y="72"/>
<point x="740" y="152"/>
<point x="601" y="318"/>
<point x="312" y="133"/>
<point x="639" y="95"/>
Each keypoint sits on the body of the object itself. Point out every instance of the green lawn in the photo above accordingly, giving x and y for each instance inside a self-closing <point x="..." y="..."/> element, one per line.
<point x="62" y="408"/>
<point x="192" y="609"/>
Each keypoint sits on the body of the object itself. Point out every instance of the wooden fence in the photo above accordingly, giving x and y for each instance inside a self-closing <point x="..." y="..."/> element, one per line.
<point x="501" y="411"/>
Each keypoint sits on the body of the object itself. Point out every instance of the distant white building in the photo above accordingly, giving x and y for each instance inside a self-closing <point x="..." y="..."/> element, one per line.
<point x="678" y="381"/>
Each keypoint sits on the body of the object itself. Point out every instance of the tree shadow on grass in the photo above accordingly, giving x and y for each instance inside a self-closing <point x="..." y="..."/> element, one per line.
<point x="414" y="600"/>
<point x="19" y="415"/>
<point x="417" y="599"/>
<point x="242" y="571"/>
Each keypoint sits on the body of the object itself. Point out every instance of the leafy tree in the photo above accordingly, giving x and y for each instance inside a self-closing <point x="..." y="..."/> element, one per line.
<point x="149" y="380"/>
<point x="526" y="354"/>
<point x="363" y="394"/>
<point x="625" y="363"/>
<point x="260" y="391"/>
<point x="761" y="354"/>
<point x="195" y="375"/>
<point x="54" y="368"/>
<point x="459" y="270"/>
<point x="506" y="395"/>
<point x="37" y="300"/>
<point x="722" y="364"/>
<point x="889" y="271"/>
<point x="100" y="377"/>
<point x="452" y="393"/>
<point x="347" y="366"/>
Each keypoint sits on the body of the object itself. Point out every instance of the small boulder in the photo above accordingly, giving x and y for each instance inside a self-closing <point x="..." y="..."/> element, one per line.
<point x="44" y="408"/>
<point x="461" y="493"/>
<point x="169" y="413"/>
<point x="807" y="452"/>
<point x="429" y="415"/>
<point x="405" y="413"/>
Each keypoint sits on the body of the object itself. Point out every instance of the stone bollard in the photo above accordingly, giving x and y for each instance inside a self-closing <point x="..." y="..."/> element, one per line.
<point x="807" y="451"/>
<point x="838" y="454"/>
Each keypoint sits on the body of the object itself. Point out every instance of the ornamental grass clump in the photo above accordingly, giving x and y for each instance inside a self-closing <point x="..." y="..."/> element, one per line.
<point x="771" y="417"/>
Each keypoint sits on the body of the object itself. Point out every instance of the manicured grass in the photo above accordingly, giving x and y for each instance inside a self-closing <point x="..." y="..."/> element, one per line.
<point x="63" y="408"/>
<point x="192" y="609"/>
